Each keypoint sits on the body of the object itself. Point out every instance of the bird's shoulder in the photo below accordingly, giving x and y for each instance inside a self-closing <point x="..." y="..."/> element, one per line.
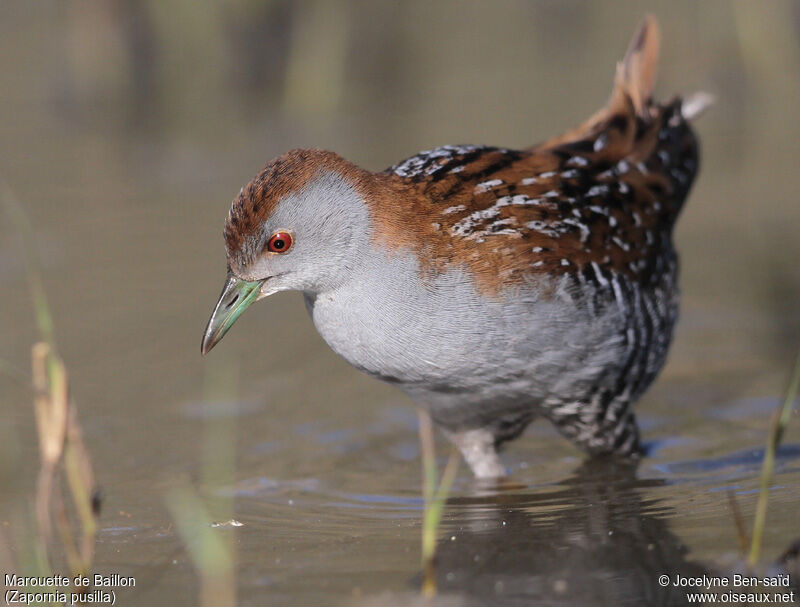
<point x="598" y="201"/>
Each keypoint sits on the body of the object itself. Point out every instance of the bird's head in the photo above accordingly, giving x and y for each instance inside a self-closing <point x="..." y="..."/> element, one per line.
<point x="300" y="225"/>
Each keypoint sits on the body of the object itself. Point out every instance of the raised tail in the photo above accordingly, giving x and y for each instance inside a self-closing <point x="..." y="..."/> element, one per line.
<point x="649" y="146"/>
<point x="632" y="94"/>
<point x="636" y="73"/>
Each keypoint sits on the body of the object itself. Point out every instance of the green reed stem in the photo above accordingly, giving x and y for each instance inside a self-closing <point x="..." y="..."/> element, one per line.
<point x="435" y="499"/>
<point x="61" y="445"/>
<point x="780" y="420"/>
<point x="44" y="320"/>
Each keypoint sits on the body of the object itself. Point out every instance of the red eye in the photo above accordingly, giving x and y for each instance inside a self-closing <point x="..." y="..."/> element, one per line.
<point x="279" y="242"/>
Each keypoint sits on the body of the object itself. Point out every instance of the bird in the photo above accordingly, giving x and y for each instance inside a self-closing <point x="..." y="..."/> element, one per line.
<point x="493" y="286"/>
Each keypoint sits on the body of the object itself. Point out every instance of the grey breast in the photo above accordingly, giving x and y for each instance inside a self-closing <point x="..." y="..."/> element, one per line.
<point x="447" y="345"/>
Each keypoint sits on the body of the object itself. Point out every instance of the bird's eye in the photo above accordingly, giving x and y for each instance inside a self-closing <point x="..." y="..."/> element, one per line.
<point x="279" y="242"/>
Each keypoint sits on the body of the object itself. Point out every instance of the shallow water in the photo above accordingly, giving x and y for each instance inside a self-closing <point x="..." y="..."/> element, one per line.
<point x="127" y="197"/>
<point x="331" y="514"/>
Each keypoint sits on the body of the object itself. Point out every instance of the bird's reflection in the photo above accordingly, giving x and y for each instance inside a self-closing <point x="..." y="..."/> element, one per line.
<point x="593" y="539"/>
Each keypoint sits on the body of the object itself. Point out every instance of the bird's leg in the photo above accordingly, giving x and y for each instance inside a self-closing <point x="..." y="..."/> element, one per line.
<point x="479" y="451"/>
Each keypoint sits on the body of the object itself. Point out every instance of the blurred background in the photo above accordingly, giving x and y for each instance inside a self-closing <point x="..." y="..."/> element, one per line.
<point x="127" y="126"/>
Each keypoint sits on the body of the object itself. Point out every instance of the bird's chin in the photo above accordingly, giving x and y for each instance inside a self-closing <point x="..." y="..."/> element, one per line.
<point x="268" y="290"/>
<point x="274" y="284"/>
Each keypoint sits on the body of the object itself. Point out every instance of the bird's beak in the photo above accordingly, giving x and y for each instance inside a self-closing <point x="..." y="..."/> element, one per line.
<point x="236" y="297"/>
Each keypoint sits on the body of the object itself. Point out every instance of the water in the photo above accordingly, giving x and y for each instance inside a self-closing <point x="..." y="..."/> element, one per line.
<point x="126" y="173"/>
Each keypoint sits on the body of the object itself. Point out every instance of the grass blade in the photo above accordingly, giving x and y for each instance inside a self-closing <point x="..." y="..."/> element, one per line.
<point x="435" y="499"/>
<point x="780" y="420"/>
<point x="44" y="320"/>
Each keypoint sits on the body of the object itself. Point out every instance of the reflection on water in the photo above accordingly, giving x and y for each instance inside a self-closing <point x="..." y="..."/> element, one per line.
<point x="594" y="538"/>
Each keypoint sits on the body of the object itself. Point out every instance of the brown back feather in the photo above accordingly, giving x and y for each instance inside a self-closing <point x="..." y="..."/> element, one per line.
<point x="597" y="201"/>
<point x="600" y="198"/>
